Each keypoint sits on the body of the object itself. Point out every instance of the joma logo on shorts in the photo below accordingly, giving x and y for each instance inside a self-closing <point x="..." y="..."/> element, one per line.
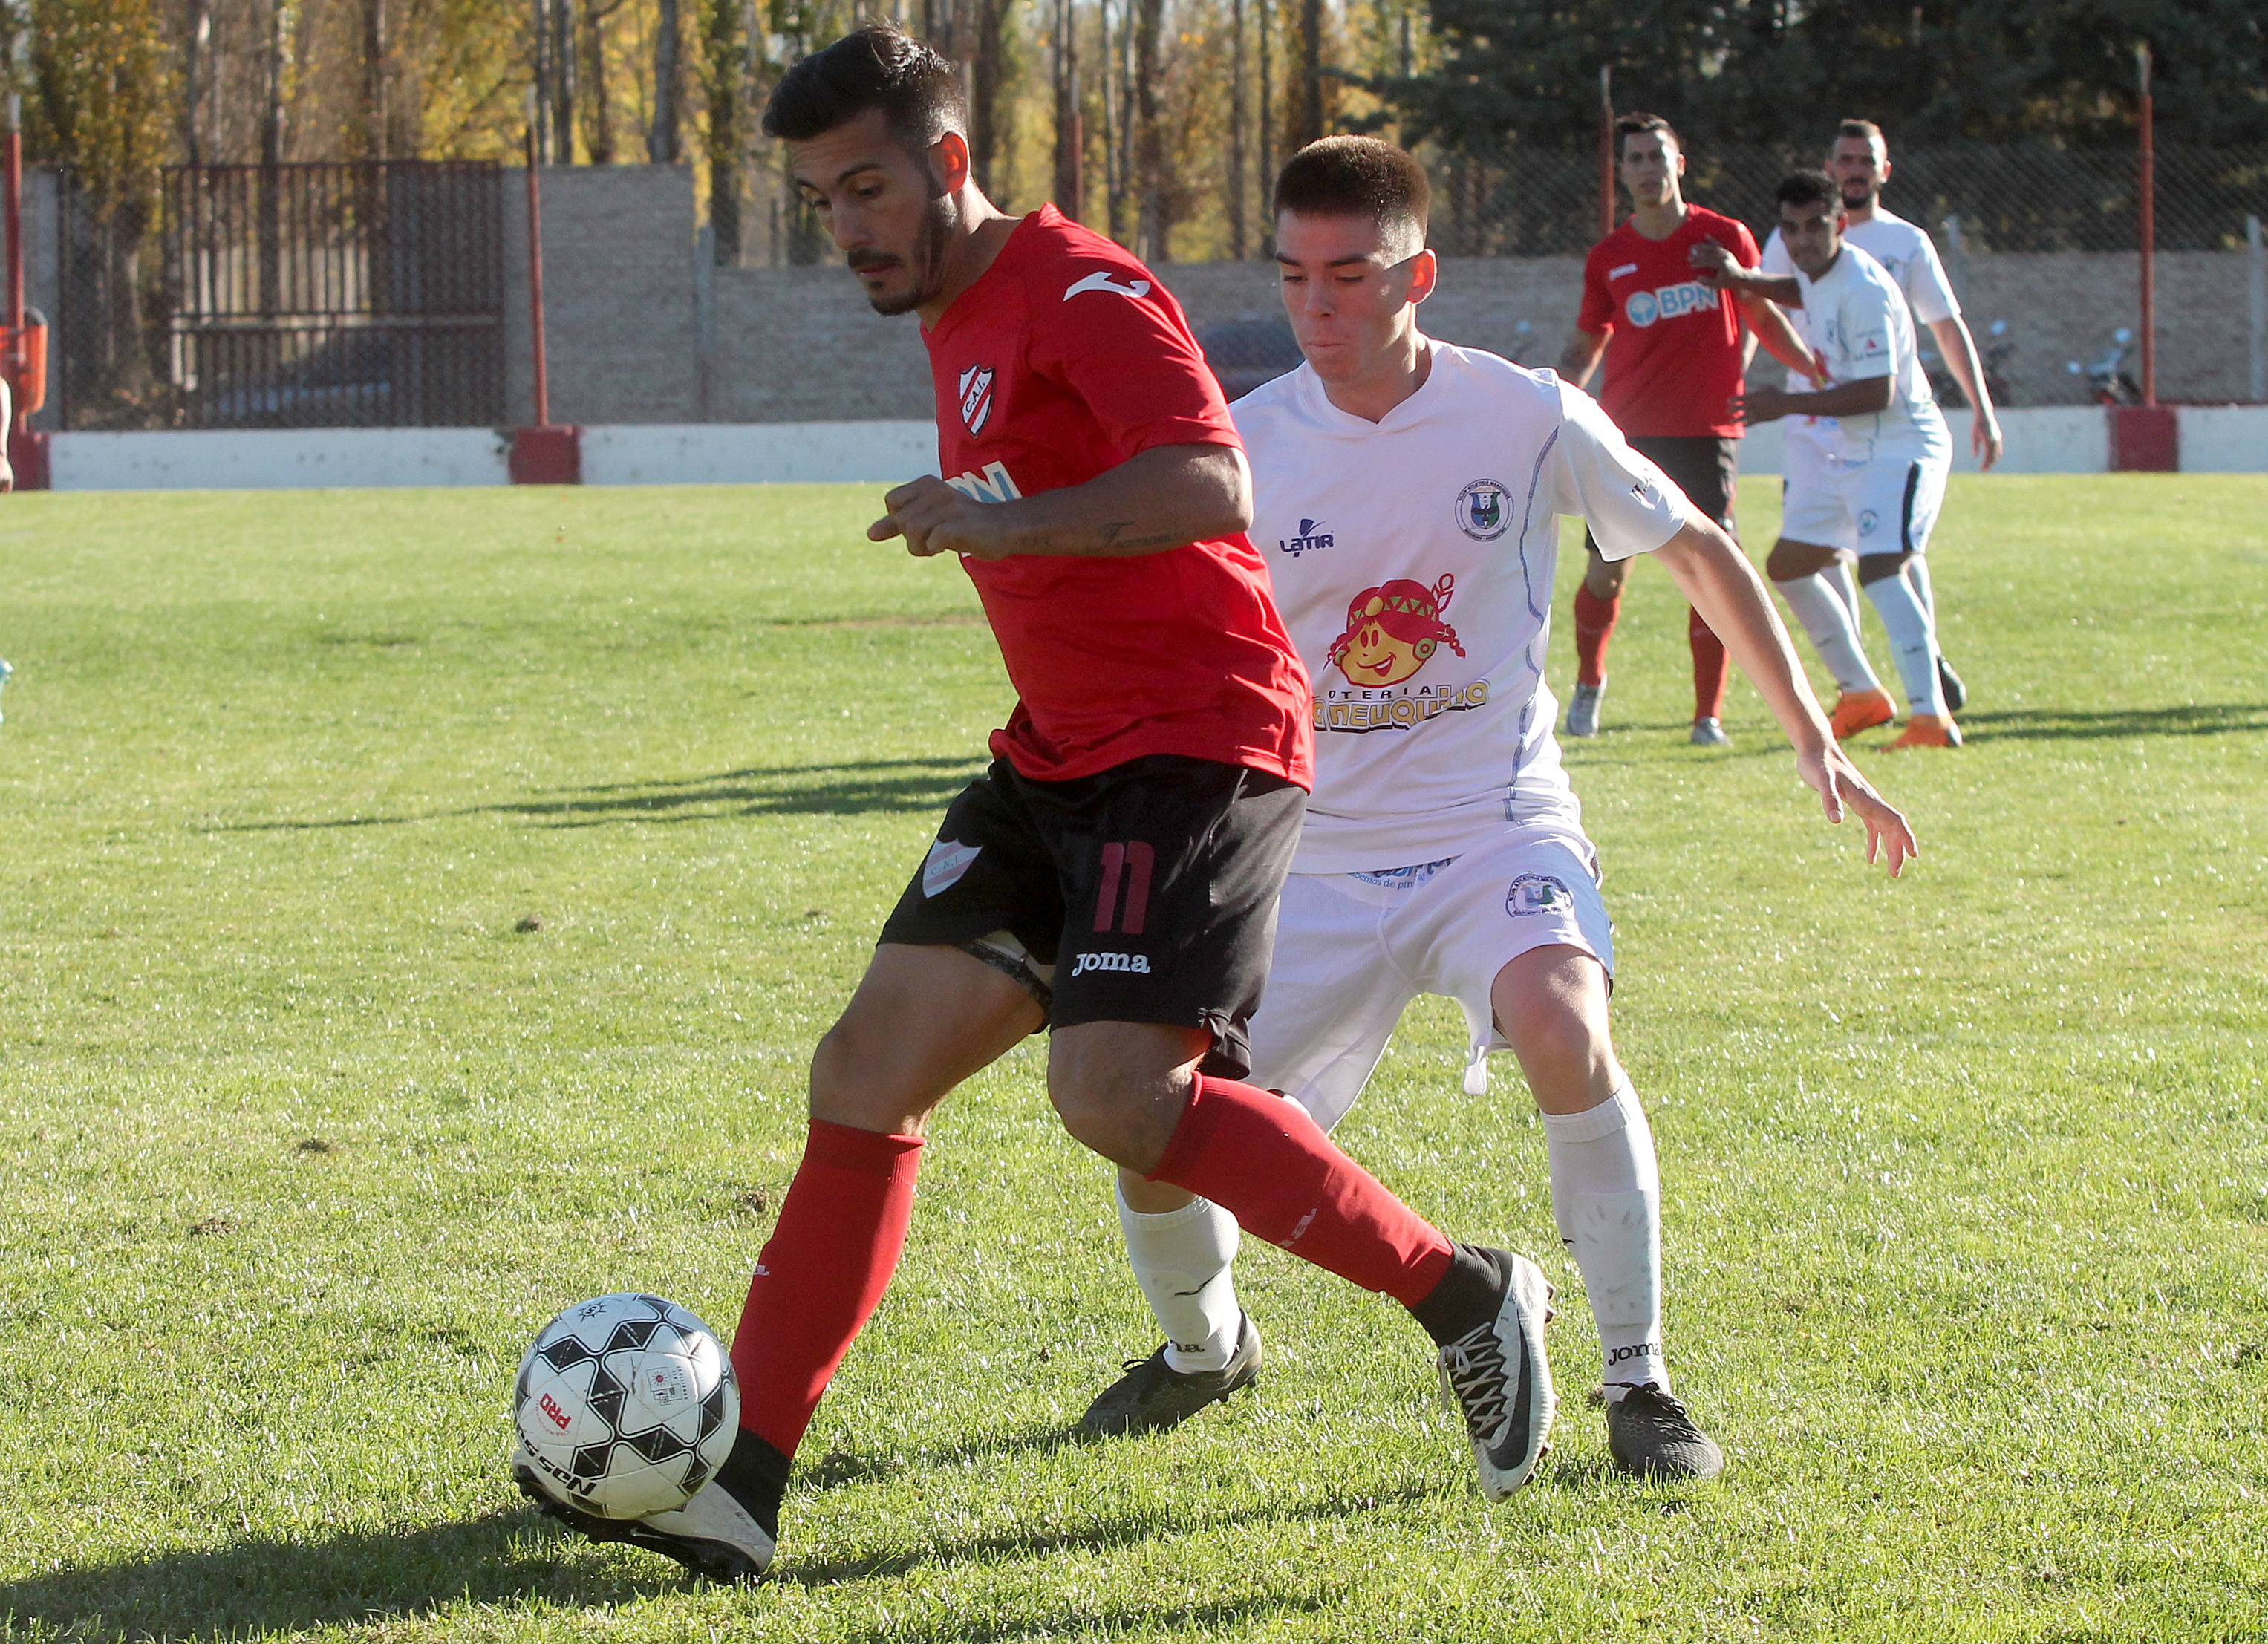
<point x="1138" y="963"/>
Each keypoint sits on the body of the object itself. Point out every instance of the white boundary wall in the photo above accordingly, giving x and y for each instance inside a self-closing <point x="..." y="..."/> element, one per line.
<point x="2041" y="439"/>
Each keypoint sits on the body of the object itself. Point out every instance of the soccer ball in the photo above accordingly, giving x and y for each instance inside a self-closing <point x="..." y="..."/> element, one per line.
<point x="626" y="1405"/>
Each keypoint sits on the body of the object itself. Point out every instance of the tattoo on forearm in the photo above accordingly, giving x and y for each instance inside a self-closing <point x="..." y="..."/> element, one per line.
<point x="1114" y="535"/>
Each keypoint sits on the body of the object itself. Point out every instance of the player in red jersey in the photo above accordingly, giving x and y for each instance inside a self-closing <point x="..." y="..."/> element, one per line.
<point x="1114" y="876"/>
<point x="1675" y="356"/>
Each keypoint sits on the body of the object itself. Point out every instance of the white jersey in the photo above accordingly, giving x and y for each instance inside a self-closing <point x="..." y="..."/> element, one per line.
<point x="1413" y="560"/>
<point x="1855" y="317"/>
<point x="1898" y="246"/>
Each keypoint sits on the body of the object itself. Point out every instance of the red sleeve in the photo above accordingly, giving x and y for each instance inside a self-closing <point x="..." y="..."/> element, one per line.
<point x="1597" y="315"/>
<point x="1744" y="245"/>
<point x="1123" y="347"/>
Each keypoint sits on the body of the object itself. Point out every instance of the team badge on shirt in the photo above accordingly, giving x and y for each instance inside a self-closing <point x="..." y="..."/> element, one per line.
<point x="1535" y="893"/>
<point x="1484" y="509"/>
<point x="976" y="397"/>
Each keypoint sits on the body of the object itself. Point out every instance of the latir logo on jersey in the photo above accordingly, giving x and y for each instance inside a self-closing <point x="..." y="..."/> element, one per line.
<point x="1393" y="630"/>
<point x="976" y="397"/>
<point x="1311" y="536"/>
<point x="1101" y="281"/>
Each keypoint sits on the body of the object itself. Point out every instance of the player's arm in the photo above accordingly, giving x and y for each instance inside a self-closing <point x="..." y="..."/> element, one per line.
<point x="1162" y="498"/>
<point x="1720" y="584"/>
<point x="1719" y="267"/>
<point x="1580" y="357"/>
<point x="1960" y="351"/>
<point x="1765" y="403"/>
<point x="1779" y="337"/>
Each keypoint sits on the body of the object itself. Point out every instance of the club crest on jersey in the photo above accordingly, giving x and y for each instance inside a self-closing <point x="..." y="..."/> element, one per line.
<point x="947" y="860"/>
<point x="1868" y="520"/>
<point x="1535" y="893"/>
<point x="976" y="397"/>
<point x="1484" y="509"/>
<point x="1311" y="536"/>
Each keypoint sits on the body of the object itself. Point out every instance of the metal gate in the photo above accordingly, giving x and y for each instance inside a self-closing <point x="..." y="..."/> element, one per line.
<point x="316" y="296"/>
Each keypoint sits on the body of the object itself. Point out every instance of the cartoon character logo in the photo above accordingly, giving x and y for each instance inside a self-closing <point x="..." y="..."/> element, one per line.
<point x="1484" y="509"/>
<point x="1393" y="629"/>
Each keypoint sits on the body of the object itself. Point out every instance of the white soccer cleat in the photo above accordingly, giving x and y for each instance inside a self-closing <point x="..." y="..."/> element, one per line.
<point x="1497" y="1377"/>
<point x="1583" y="709"/>
<point x="1710" y="733"/>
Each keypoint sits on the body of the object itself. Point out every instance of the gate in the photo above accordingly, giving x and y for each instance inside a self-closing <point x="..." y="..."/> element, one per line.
<point x="335" y="296"/>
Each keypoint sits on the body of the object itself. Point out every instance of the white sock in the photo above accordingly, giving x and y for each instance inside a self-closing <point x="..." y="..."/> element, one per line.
<point x="1182" y="1261"/>
<point x="1837" y="576"/>
<point x="1606" y="1196"/>
<point x="1824" y="616"/>
<point x="1913" y="642"/>
<point x="1917" y="572"/>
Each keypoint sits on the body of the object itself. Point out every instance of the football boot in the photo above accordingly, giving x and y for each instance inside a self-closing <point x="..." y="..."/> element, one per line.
<point x="1583" y="709"/>
<point x="1709" y="731"/>
<point x="1856" y="711"/>
<point x="1651" y="1433"/>
<point x="727" y="1532"/>
<point x="1929" y="730"/>
<point x="1153" y="1396"/>
<point x="1497" y="1375"/>
<point x="1957" y="694"/>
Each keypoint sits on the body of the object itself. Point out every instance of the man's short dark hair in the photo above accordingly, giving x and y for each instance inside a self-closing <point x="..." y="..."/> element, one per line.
<point x="1348" y="176"/>
<point x="1634" y="124"/>
<point x="876" y="67"/>
<point x="1809" y="187"/>
<point x="1865" y="128"/>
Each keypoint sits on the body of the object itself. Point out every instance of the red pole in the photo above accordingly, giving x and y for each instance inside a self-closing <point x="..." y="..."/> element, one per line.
<point x="13" y="205"/>
<point x="535" y="286"/>
<point x="1606" y="151"/>
<point x="2149" y="232"/>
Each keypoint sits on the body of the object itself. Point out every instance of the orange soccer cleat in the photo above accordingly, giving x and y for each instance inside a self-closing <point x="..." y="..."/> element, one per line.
<point x="1929" y="730"/>
<point x="1856" y="711"/>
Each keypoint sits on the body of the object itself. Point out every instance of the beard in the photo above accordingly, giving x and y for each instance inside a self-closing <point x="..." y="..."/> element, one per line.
<point x="925" y="264"/>
<point x="1857" y="196"/>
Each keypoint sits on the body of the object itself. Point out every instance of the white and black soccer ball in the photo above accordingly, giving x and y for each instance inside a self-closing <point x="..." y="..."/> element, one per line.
<point x="626" y="1405"/>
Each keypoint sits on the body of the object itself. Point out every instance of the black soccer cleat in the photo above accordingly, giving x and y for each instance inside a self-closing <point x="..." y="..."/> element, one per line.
<point x="1651" y="1433"/>
<point x="1152" y="1396"/>
<point x="1497" y="1375"/>
<point x="727" y="1533"/>
<point x="1957" y="694"/>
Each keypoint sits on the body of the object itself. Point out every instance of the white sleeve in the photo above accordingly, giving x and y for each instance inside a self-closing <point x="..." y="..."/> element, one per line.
<point x="1928" y="292"/>
<point x="1869" y="331"/>
<point x="1776" y="259"/>
<point x="1632" y="507"/>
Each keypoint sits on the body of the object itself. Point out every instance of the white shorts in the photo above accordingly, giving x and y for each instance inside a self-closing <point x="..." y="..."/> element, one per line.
<point x="1885" y="503"/>
<point x="1353" y="949"/>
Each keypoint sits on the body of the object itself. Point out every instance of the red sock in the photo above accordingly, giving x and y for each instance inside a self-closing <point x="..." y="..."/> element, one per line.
<point x="1261" y="1158"/>
<point x="1595" y="620"/>
<point x="821" y="1274"/>
<point x="1708" y="668"/>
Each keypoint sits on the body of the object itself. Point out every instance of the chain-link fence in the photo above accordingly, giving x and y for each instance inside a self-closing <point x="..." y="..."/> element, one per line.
<point x="2006" y="196"/>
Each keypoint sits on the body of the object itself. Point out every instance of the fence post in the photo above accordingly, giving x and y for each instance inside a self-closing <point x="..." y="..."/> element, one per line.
<point x="2257" y="283"/>
<point x="2149" y="213"/>
<point x="1606" y="151"/>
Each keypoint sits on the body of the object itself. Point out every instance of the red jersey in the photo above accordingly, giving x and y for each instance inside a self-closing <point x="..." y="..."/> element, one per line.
<point x="1673" y="343"/>
<point x="1065" y="358"/>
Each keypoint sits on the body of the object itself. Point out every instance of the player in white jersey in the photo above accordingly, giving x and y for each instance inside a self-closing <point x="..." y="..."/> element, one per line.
<point x="1407" y="495"/>
<point x="1867" y="478"/>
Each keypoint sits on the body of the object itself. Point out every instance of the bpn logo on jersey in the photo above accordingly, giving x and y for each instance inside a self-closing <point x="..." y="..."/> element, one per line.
<point x="976" y="397"/>
<point x="1667" y="302"/>
<point x="1484" y="510"/>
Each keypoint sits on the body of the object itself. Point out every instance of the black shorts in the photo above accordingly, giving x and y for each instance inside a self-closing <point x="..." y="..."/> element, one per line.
<point x="1705" y="467"/>
<point x="1150" y="886"/>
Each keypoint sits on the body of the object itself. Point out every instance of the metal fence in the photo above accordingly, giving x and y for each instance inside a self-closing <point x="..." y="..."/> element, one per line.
<point x="2006" y="196"/>
<point x="307" y="296"/>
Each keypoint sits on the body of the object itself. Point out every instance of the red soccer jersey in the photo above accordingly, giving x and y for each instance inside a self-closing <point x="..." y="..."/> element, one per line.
<point x="1673" y="343"/>
<point x="1065" y="358"/>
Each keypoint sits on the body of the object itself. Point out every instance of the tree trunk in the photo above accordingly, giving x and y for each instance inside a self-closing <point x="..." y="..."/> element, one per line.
<point x="373" y="80"/>
<point x="1311" y="71"/>
<point x="561" y="50"/>
<point x="598" y="111"/>
<point x="986" y="47"/>
<point x="1150" y="134"/>
<point x="1237" y="199"/>
<point x="271" y="158"/>
<point x="196" y="49"/>
<point x="661" y="142"/>
<point x="1071" y="144"/>
<point x="724" y="56"/>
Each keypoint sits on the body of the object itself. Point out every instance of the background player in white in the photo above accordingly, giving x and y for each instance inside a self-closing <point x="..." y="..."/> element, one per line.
<point x="1873" y="484"/>
<point x="1859" y="163"/>
<point x="1406" y="493"/>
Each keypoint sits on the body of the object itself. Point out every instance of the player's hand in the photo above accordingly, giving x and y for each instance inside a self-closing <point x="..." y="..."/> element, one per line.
<point x="1761" y="404"/>
<point x="1985" y="439"/>
<point x="1821" y="377"/>
<point x="935" y="518"/>
<point x="1711" y="260"/>
<point x="1840" y="787"/>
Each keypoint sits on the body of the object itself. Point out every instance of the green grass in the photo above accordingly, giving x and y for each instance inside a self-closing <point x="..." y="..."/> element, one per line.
<point x="305" y="1134"/>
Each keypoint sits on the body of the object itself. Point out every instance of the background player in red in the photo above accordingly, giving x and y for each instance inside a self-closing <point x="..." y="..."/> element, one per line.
<point x="1114" y="875"/>
<point x="1675" y="356"/>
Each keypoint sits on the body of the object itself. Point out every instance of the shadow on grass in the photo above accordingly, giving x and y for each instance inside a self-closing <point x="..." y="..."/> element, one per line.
<point x="839" y="1468"/>
<point x="265" y="1585"/>
<point x="2213" y="719"/>
<point x="841" y="790"/>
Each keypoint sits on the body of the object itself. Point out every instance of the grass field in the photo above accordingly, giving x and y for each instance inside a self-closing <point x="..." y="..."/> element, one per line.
<point x="416" y="910"/>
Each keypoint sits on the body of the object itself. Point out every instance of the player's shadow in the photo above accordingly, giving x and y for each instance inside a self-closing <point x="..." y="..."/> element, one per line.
<point x="841" y="1468"/>
<point x="268" y="1584"/>
<point x="2212" y="718"/>
<point x="831" y="789"/>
